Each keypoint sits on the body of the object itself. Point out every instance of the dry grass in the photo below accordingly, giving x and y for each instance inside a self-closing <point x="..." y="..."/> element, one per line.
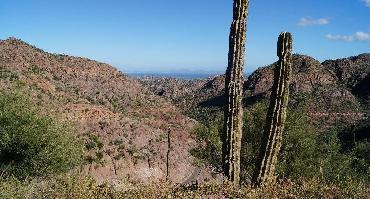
<point x="86" y="188"/>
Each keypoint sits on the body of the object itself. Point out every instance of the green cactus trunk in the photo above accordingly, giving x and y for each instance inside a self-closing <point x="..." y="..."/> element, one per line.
<point x="276" y="117"/>
<point x="233" y="123"/>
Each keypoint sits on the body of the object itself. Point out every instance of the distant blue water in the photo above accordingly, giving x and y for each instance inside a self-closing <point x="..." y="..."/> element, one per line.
<point x="187" y="76"/>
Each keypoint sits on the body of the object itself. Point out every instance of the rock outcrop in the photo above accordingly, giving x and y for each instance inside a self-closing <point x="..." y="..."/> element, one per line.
<point x="353" y="72"/>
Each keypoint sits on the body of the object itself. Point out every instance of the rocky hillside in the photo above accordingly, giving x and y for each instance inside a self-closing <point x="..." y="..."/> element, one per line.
<point x="123" y="124"/>
<point x="332" y="90"/>
<point x="327" y="99"/>
<point x="184" y="93"/>
<point x="354" y="73"/>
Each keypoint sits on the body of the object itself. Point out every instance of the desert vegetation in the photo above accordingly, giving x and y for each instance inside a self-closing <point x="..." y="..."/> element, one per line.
<point x="307" y="154"/>
<point x="310" y="164"/>
<point x="313" y="161"/>
<point x="74" y="128"/>
<point x="31" y="144"/>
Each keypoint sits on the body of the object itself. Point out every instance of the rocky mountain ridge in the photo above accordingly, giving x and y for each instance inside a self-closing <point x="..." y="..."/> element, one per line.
<point x="354" y="72"/>
<point x="333" y="89"/>
<point x="110" y="110"/>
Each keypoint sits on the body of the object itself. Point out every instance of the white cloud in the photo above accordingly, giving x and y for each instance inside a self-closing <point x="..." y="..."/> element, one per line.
<point x="362" y="36"/>
<point x="308" y="21"/>
<point x="339" y="37"/>
<point x="367" y="3"/>
<point x="358" y="36"/>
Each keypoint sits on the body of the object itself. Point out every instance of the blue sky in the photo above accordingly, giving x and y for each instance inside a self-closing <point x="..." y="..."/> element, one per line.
<point x="175" y="35"/>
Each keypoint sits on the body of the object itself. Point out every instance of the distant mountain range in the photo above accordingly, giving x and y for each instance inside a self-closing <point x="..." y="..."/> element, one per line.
<point x="187" y="75"/>
<point x="179" y="75"/>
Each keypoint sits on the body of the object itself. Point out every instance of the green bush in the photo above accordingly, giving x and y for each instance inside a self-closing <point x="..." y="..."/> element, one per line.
<point x="305" y="153"/>
<point x="32" y="144"/>
<point x="210" y="137"/>
<point x="361" y="160"/>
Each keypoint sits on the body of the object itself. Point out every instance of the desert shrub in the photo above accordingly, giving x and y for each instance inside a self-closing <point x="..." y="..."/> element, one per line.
<point x="7" y="74"/>
<point x="355" y="142"/>
<point x="298" y="148"/>
<point x="305" y="153"/>
<point x="32" y="144"/>
<point x="309" y="153"/>
<point x="93" y="142"/>
<point x="361" y="160"/>
<point x="94" y="147"/>
<point x="254" y="122"/>
<point x="209" y="135"/>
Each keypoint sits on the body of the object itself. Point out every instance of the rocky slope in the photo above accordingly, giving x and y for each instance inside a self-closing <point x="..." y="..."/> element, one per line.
<point x="354" y="73"/>
<point x="327" y="99"/>
<point x="123" y="124"/>
<point x="332" y="90"/>
<point x="184" y="93"/>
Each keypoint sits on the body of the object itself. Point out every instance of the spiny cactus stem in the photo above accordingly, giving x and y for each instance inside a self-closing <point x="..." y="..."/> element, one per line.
<point x="233" y="123"/>
<point x="276" y="117"/>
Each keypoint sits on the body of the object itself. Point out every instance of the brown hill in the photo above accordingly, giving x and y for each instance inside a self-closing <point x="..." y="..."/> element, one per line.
<point x="327" y="99"/>
<point x="330" y="98"/>
<point x="105" y="106"/>
<point x="354" y="73"/>
<point x="184" y="93"/>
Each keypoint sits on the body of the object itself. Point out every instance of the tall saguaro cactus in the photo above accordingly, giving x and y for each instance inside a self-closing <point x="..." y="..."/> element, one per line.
<point x="234" y="91"/>
<point x="276" y="117"/>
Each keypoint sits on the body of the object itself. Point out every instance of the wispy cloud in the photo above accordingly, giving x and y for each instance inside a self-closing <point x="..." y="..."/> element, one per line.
<point x="358" y="36"/>
<point x="367" y="3"/>
<point x="308" y="21"/>
<point x="362" y="36"/>
<point x="340" y="37"/>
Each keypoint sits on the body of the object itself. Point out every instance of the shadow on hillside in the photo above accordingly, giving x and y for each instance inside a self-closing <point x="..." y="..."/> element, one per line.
<point x="215" y="102"/>
<point x="220" y="101"/>
<point x="362" y="89"/>
<point x="250" y="100"/>
<point x="353" y="134"/>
